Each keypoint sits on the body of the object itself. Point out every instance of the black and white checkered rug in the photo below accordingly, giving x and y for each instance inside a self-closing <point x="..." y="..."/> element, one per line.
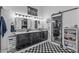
<point x="48" y="47"/>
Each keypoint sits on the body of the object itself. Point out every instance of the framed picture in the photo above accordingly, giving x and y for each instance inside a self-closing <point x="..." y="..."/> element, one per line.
<point x="32" y="11"/>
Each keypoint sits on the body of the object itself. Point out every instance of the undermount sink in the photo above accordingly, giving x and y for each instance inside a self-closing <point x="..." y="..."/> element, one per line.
<point x="34" y="31"/>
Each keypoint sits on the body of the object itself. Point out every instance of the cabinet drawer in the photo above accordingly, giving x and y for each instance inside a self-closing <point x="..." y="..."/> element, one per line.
<point x="11" y="43"/>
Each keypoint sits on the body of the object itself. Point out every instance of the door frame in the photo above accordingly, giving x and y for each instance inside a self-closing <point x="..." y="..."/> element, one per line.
<point x="54" y="15"/>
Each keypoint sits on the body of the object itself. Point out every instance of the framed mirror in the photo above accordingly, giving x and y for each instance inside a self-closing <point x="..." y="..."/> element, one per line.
<point x="32" y="11"/>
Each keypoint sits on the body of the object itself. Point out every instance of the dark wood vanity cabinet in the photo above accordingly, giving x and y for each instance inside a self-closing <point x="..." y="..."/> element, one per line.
<point x="28" y="39"/>
<point x="22" y="41"/>
<point x="45" y="35"/>
<point x="35" y="37"/>
<point x="31" y="37"/>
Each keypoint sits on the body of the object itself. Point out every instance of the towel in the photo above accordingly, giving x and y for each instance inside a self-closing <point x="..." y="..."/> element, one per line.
<point x="3" y="27"/>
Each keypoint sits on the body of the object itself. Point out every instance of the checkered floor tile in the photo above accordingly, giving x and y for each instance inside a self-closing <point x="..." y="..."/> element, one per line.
<point x="48" y="47"/>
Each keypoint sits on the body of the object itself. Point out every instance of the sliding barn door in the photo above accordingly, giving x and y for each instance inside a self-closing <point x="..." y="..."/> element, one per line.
<point x="56" y="28"/>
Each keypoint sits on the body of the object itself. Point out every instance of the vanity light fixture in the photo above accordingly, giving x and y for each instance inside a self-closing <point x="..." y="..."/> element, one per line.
<point x="28" y="16"/>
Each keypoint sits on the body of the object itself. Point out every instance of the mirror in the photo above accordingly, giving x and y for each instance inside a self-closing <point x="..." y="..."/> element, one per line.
<point x="20" y="23"/>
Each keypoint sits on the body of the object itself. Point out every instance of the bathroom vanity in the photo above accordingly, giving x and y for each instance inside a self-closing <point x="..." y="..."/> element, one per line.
<point x="27" y="39"/>
<point x="23" y="40"/>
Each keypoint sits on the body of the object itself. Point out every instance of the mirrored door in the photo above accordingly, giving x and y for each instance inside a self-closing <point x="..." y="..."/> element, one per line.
<point x="56" y="29"/>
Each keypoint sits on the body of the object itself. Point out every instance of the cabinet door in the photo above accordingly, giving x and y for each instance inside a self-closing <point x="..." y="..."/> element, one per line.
<point x="46" y="35"/>
<point x="19" y="39"/>
<point x="37" y="37"/>
<point x="34" y="37"/>
<point x="31" y="38"/>
<point x="43" y="36"/>
<point x="27" y="40"/>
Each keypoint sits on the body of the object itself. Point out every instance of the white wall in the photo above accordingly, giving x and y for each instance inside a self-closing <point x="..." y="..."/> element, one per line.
<point x="71" y="18"/>
<point x="49" y="10"/>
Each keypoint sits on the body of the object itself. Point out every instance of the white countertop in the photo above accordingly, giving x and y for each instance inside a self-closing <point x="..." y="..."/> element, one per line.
<point x="16" y="33"/>
<point x="28" y="32"/>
